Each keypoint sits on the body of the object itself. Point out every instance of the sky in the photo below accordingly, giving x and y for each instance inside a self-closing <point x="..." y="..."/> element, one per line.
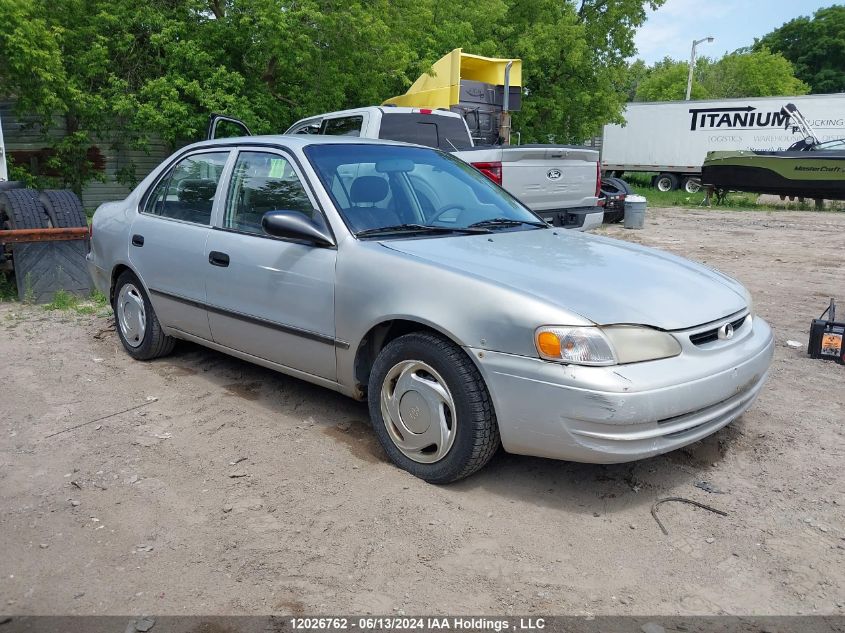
<point x="734" y="23"/>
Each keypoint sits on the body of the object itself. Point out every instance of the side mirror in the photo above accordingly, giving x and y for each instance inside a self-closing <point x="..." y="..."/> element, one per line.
<point x="295" y="225"/>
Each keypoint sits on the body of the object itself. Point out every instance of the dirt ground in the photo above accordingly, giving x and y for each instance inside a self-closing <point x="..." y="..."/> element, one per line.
<point x="231" y="489"/>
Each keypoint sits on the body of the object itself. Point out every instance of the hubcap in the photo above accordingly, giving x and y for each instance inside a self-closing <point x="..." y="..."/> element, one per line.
<point x="692" y="186"/>
<point x="131" y="315"/>
<point x="664" y="184"/>
<point x="418" y="411"/>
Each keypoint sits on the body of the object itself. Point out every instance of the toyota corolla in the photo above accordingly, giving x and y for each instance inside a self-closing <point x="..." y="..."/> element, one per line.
<point x="401" y="276"/>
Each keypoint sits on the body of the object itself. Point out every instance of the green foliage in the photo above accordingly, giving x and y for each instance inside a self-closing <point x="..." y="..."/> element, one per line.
<point x="66" y="301"/>
<point x="815" y="46"/>
<point x="640" y="182"/>
<point x="667" y="81"/>
<point x="757" y="73"/>
<point x="120" y="72"/>
<point x="17" y="172"/>
<point x="8" y="288"/>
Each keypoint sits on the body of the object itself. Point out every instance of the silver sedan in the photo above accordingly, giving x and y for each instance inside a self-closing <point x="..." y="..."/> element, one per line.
<point x="399" y="275"/>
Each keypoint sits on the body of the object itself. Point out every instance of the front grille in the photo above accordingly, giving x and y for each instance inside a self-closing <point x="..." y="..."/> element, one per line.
<point x="708" y="336"/>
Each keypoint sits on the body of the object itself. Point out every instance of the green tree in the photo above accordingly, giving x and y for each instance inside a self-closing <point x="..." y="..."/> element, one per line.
<point x="119" y="72"/>
<point x="741" y="74"/>
<point x="667" y="81"/>
<point x="574" y="61"/>
<point x="815" y="46"/>
<point x="758" y="73"/>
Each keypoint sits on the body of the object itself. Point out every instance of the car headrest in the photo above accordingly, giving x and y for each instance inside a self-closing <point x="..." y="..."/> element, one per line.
<point x="196" y="190"/>
<point x="368" y="189"/>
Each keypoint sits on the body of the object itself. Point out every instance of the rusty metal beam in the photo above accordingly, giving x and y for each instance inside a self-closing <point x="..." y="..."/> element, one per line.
<point x="43" y="235"/>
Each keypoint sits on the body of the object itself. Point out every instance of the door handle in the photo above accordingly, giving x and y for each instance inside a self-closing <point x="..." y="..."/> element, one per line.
<point x="216" y="258"/>
<point x="137" y="240"/>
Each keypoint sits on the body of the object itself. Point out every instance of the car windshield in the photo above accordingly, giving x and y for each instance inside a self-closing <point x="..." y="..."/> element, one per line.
<point x="389" y="190"/>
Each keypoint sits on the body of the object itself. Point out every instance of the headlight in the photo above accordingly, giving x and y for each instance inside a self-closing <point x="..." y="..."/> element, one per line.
<point x="616" y="344"/>
<point x="634" y="344"/>
<point x="578" y="345"/>
<point x="749" y="300"/>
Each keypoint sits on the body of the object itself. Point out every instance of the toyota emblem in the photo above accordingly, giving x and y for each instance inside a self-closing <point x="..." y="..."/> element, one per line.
<point x="726" y="332"/>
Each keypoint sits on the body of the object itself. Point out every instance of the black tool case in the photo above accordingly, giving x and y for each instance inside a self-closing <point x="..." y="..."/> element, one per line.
<point x="827" y="337"/>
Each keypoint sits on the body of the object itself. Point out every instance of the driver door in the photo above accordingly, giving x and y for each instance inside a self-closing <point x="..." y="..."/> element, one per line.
<point x="270" y="297"/>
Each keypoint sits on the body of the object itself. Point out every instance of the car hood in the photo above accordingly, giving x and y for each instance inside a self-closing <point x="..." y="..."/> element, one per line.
<point x="604" y="280"/>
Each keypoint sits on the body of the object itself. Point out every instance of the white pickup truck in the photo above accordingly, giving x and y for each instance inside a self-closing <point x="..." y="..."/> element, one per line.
<point x="559" y="183"/>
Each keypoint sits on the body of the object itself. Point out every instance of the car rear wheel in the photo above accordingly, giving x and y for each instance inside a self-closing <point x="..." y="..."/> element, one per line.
<point x="137" y="324"/>
<point x="430" y="408"/>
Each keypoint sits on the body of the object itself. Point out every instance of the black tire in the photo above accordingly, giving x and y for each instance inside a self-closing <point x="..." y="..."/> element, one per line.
<point x="666" y="182"/>
<point x="691" y="184"/>
<point x="621" y="185"/>
<point x="21" y="209"/>
<point x="155" y="342"/>
<point x="609" y="185"/>
<point x="477" y="432"/>
<point x="64" y="208"/>
<point x="10" y="184"/>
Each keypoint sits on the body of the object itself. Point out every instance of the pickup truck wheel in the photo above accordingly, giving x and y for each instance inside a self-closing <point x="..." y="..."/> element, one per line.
<point x="666" y="182"/>
<point x="430" y="408"/>
<point x="137" y="324"/>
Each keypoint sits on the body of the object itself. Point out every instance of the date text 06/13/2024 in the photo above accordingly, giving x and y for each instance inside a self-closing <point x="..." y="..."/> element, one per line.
<point x="409" y="623"/>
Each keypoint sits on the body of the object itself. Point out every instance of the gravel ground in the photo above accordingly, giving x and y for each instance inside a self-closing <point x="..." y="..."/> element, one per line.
<point x="229" y="489"/>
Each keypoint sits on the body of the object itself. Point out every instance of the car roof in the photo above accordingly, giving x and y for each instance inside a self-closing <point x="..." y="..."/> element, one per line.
<point x="294" y="141"/>
<point x="384" y="109"/>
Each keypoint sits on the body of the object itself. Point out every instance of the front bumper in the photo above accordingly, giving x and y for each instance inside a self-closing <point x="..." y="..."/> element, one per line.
<point x="625" y="412"/>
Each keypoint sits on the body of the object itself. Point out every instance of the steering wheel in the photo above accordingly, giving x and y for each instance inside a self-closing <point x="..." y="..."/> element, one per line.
<point x="446" y="207"/>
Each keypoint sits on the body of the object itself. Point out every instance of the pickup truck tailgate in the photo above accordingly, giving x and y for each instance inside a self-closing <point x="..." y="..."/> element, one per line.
<point x="550" y="177"/>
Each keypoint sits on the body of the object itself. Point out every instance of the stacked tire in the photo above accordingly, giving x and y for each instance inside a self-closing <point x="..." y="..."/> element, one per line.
<point x="32" y="209"/>
<point x="21" y="209"/>
<point x="40" y="268"/>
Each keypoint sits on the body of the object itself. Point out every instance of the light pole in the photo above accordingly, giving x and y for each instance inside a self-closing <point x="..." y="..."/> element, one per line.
<point x="692" y="62"/>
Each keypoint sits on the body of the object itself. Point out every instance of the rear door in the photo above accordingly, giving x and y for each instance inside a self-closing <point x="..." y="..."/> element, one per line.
<point x="168" y="239"/>
<point x="269" y="297"/>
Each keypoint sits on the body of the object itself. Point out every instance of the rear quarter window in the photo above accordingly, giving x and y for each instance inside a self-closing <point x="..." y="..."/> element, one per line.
<point x="441" y="132"/>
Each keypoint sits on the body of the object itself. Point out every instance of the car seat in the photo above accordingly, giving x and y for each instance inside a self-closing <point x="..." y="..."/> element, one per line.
<point x="365" y="193"/>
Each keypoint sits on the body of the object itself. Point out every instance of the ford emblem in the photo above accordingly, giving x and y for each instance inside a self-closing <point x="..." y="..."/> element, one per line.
<point x="554" y="174"/>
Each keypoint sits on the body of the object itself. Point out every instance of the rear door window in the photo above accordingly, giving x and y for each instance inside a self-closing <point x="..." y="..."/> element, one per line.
<point x="343" y="126"/>
<point x="309" y="127"/>
<point x="187" y="192"/>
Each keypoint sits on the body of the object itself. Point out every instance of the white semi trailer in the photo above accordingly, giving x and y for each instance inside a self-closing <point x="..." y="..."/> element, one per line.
<point x="672" y="138"/>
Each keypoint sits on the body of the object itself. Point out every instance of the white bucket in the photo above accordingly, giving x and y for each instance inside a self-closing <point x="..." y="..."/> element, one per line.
<point x="635" y="212"/>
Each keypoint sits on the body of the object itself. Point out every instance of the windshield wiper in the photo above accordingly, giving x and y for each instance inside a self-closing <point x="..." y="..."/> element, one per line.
<point x="493" y="222"/>
<point x="419" y="228"/>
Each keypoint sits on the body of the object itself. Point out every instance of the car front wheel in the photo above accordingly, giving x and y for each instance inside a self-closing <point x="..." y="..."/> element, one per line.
<point x="430" y="408"/>
<point x="137" y="324"/>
